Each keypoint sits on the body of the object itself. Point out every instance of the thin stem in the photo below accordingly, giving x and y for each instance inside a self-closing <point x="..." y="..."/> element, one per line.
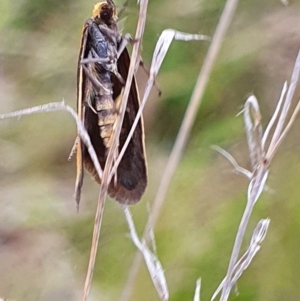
<point x="183" y="134"/>
<point x="285" y="131"/>
<point x="237" y="167"/>
<point x="254" y="190"/>
<point x="275" y="115"/>
<point x="287" y="104"/>
<point x="110" y="157"/>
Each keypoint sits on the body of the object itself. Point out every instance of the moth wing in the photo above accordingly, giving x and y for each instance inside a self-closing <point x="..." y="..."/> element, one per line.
<point x="81" y="83"/>
<point x="132" y="170"/>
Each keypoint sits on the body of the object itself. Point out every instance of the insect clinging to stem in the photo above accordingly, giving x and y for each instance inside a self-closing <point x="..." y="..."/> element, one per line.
<point x="102" y="72"/>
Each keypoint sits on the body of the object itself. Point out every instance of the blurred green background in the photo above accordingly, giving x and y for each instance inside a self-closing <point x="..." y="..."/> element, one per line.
<point x="44" y="243"/>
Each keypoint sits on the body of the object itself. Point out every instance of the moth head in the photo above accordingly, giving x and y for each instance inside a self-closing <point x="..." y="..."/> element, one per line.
<point x="105" y="12"/>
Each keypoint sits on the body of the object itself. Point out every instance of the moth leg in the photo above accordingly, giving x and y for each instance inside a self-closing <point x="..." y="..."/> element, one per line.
<point x="124" y="42"/>
<point x="148" y="73"/>
<point x="105" y="62"/>
<point x="95" y="60"/>
<point x="110" y="34"/>
<point x="119" y="77"/>
<point x="93" y="80"/>
<point x="109" y="64"/>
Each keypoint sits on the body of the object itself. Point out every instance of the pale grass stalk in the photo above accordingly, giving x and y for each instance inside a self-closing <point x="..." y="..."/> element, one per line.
<point x="60" y="106"/>
<point x="253" y="127"/>
<point x="236" y="166"/>
<point x="161" y="49"/>
<point x="152" y="262"/>
<point x="261" y="157"/>
<point x="255" y="188"/>
<point x="275" y="115"/>
<point x="287" y="128"/>
<point x="110" y="157"/>
<point x="183" y="134"/>
<point x="288" y="100"/>
<point x="85" y="138"/>
<point x="197" y="290"/>
<point x="258" y="236"/>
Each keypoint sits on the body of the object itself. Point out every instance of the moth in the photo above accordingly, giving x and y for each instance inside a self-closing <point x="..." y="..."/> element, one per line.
<point x="102" y="72"/>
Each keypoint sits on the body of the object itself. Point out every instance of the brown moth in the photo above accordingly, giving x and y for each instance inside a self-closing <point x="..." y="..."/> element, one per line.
<point x="102" y="72"/>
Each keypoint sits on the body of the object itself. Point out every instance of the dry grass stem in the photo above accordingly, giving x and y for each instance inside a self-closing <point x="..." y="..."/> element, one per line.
<point x="161" y="49"/>
<point x="191" y="112"/>
<point x="258" y="236"/>
<point x="252" y="118"/>
<point x="261" y="159"/>
<point x="111" y="154"/>
<point x="261" y="154"/>
<point x="279" y="133"/>
<point x="60" y="106"/>
<point x="153" y="264"/>
<point x="275" y="115"/>
<point x="183" y="134"/>
<point x="197" y="290"/>
<point x="236" y="166"/>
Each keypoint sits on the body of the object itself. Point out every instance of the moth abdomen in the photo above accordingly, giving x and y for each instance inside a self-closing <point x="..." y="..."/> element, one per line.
<point x="107" y="115"/>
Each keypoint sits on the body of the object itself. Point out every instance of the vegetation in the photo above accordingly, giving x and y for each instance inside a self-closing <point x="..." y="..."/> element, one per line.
<point x="45" y="244"/>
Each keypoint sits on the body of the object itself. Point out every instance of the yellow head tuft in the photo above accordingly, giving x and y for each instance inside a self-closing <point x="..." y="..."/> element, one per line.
<point x="100" y="5"/>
